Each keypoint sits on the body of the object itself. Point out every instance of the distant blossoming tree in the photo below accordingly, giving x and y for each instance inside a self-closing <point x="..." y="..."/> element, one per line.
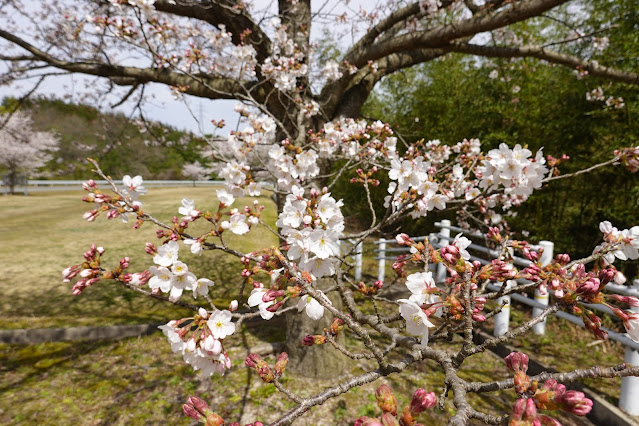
<point x="22" y="149"/>
<point x="196" y="171"/>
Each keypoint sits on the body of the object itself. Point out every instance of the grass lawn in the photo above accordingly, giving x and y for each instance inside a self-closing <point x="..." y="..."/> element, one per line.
<point x="43" y="233"/>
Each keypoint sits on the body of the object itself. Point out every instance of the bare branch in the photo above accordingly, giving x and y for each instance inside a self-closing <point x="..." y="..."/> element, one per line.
<point x="228" y="13"/>
<point x="443" y="35"/>
<point x="204" y="86"/>
<point x="539" y="52"/>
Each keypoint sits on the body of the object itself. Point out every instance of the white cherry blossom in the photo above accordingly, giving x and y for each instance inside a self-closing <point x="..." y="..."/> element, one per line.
<point x="256" y="299"/>
<point x="312" y="307"/>
<point x="417" y="323"/>
<point x="167" y="254"/>
<point x="419" y="284"/>
<point x="221" y="325"/>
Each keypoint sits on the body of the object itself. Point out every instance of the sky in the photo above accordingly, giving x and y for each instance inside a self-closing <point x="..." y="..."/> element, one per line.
<point x="193" y="114"/>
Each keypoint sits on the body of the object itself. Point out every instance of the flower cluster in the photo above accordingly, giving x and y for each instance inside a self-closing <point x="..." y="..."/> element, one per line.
<point x="92" y="271"/>
<point x="287" y="62"/>
<point x="623" y="245"/>
<point x="387" y="402"/>
<point x="550" y="396"/>
<point x="312" y="227"/>
<point x="266" y="373"/>
<point x="513" y="170"/>
<point x="291" y="165"/>
<point x="125" y="201"/>
<point x="200" y="340"/>
<point x="172" y="276"/>
<point x="331" y="70"/>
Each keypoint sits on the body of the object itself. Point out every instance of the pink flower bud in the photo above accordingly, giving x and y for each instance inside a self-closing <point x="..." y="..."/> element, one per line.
<point x="202" y="312"/>
<point x="271" y="295"/>
<point x="389" y="419"/>
<point x="574" y="402"/>
<point x="281" y="363"/>
<point x="367" y="421"/>
<point x="422" y="401"/>
<point x="199" y="405"/>
<point x="530" y="255"/>
<point x="479" y="317"/>
<point x="518" y="409"/>
<point x="233" y="306"/>
<point x="309" y="340"/>
<point x="89" y="185"/>
<point x="404" y="240"/>
<point x="90" y="216"/>
<point x="69" y="273"/>
<point x="275" y="307"/>
<point x="149" y="248"/>
<point x="630" y="300"/>
<point x="606" y="275"/>
<point x="112" y="214"/>
<point x="252" y="360"/>
<point x="530" y="413"/>
<point x="517" y="361"/>
<point x="193" y="413"/>
<point x="590" y="286"/>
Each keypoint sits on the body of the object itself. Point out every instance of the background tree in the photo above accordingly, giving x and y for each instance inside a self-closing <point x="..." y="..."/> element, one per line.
<point x="22" y="149"/>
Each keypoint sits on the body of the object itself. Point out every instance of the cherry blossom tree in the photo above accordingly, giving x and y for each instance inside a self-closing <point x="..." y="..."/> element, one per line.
<point x="300" y="131"/>
<point x="22" y="149"/>
<point x="196" y="171"/>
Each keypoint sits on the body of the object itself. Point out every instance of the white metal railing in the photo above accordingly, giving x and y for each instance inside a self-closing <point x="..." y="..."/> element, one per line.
<point x="65" y="185"/>
<point x="389" y="250"/>
<point x="356" y="251"/>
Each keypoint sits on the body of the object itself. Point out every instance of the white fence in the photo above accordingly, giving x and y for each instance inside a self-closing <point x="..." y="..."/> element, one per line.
<point x="69" y="185"/>
<point x="354" y="252"/>
<point x="389" y="250"/>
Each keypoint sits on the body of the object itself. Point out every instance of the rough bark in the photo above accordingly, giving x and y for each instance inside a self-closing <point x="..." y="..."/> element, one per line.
<point x="323" y="361"/>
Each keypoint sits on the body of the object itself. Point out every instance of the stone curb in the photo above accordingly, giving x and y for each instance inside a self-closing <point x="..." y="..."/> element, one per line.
<point x="34" y="336"/>
<point x="45" y="335"/>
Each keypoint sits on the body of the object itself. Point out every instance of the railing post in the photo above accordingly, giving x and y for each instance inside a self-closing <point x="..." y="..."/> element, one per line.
<point x="358" y="261"/>
<point x="630" y="384"/>
<point x="444" y="232"/>
<point x="503" y="318"/>
<point x="546" y="258"/>
<point x="381" y="266"/>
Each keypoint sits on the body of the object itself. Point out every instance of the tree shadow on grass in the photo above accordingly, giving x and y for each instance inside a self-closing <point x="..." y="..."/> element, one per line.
<point x="109" y="302"/>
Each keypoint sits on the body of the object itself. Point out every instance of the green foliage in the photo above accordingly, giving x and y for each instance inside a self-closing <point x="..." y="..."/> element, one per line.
<point x="532" y="104"/>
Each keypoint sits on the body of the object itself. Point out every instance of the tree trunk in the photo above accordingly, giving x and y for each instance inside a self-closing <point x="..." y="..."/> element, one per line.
<point x="323" y="361"/>
<point x="12" y="181"/>
<point x="312" y="361"/>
